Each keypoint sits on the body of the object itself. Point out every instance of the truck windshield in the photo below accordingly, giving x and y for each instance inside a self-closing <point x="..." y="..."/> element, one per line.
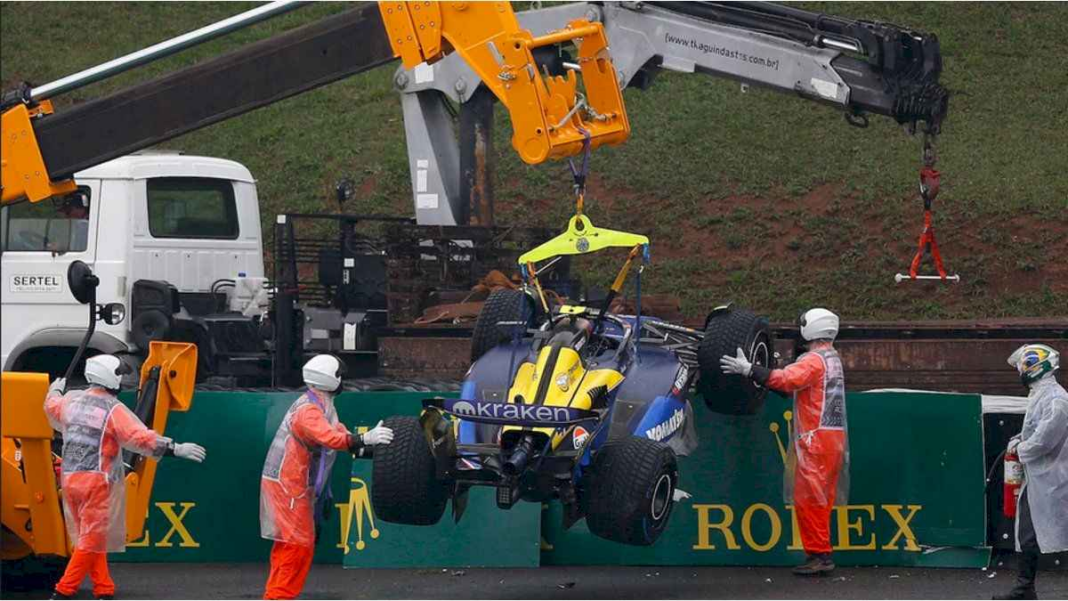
<point x="55" y="225"/>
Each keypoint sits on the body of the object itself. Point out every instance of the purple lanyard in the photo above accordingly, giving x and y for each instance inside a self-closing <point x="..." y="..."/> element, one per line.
<point x="320" y="474"/>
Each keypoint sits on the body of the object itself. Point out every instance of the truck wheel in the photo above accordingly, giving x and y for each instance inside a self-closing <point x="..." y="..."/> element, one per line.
<point x="404" y="484"/>
<point x="502" y="305"/>
<point x="33" y="573"/>
<point x="725" y="332"/>
<point x="632" y="489"/>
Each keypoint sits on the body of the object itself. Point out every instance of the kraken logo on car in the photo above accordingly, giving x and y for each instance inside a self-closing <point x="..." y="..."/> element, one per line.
<point x="788" y="417"/>
<point x="463" y="408"/>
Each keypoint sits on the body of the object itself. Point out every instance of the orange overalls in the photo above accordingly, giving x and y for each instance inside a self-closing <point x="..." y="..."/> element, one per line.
<point x="819" y="451"/>
<point x="295" y="473"/>
<point x="96" y="427"/>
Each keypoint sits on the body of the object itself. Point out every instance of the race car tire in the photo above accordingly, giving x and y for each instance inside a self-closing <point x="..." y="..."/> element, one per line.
<point x="631" y="491"/>
<point x="725" y="332"/>
<point x="502" y="305"/>
<point x="404" y="484"/>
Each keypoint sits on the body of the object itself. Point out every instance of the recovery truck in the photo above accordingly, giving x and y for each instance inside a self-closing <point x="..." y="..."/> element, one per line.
<point x="176" y="240"/>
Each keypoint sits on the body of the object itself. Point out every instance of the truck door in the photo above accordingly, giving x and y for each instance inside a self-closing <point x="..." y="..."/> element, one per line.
<point x="194" y="231"/>
<point x="38" y="241"/>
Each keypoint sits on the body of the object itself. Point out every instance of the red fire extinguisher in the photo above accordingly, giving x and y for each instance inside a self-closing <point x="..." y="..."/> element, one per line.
<point x="1013" y="483"/>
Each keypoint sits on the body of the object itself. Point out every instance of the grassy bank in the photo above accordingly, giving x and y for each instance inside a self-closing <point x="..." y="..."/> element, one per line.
<point x="764" y="199"/>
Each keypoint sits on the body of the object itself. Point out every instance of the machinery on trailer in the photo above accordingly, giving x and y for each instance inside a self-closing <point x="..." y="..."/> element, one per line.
<point x="177" y="240"/>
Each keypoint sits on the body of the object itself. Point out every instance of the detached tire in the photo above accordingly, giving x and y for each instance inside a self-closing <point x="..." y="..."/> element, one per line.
<point x="404" y="485"/>
<point x="502" y="305"/>
<point x="725" y="332"/>
<point x="632" y="491"/>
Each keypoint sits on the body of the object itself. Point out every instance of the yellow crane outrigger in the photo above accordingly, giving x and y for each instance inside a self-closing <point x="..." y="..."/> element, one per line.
<point x="30" y="505"/>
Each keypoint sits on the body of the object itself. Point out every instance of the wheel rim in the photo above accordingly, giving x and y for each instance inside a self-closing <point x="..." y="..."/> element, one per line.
<point x="760" y="355"/>
<point x="662" y="494"/>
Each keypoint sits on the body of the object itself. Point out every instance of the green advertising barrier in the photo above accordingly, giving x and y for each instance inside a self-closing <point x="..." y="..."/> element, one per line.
<point x="486" y="536"/>
<point x="916" y="496"/>
<point x="210" y="512"/>
<point x="916" y="492"/>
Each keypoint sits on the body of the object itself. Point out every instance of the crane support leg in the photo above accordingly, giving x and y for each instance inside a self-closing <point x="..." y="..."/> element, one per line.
<point x="476" y="156"/>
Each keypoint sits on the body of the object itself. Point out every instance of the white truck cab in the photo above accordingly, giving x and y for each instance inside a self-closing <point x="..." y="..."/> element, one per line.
<point x="186" y="220"/>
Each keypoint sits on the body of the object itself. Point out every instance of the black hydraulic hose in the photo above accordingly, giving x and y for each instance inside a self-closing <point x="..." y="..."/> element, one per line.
<point x="219" y="283"/>
<point x="990" y="473"/>
<point x="739" y="17"/>
<point x="85" y="339"/>
<point x="144" y="410"/>
<point x="794" y="24"/>
<point x="818" y="21"/>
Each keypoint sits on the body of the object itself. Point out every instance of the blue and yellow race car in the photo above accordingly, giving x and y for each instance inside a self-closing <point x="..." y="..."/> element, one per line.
<point x="570" y="402"/>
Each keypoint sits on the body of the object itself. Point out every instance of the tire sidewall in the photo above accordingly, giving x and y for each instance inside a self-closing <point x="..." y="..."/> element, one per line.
<point x="724" y="333"/>
<point x="620" y="505"/>
<point x="653" y="526"/>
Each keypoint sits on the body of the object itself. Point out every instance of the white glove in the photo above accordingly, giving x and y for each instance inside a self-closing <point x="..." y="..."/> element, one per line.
<point x="736" y="365"/>
<point x="190" y="451"/>
<point x="681" y="495"/>
<point x="57" y="386"/>
<point x="377" y="435"/>
<point x="1013" y="443"/>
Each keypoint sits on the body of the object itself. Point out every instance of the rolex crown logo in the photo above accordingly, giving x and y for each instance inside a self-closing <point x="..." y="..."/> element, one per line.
<point x="788" y="417"/>
<point x="356" y="510"/>
<point x="359" y="509"/>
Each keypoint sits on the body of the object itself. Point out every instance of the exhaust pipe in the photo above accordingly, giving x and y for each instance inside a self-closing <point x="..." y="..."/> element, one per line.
<point x="520" y="456"/>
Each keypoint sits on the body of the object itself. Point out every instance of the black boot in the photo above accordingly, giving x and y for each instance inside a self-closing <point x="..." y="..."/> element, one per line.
<point x="819" y="563"/>
<point x="1025" y="578"/>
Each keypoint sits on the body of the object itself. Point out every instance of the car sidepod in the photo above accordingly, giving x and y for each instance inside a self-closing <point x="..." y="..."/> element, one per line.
<point x="653" y="401"/>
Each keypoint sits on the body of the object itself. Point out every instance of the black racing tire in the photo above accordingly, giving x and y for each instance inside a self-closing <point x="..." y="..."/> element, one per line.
<point x="725" y="332"/>
<point x="404" y="484"/>
<point x="631" y="491"/>
<point x="502" y="305"/>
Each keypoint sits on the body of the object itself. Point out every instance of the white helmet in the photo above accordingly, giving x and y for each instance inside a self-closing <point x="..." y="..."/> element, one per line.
<point x="818" y="324"/>
<point x="324" y="372"/>
<point x="106" y="371"/>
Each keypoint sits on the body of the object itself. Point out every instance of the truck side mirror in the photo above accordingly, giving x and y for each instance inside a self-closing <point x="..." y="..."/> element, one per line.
<point x="82" y="282"/>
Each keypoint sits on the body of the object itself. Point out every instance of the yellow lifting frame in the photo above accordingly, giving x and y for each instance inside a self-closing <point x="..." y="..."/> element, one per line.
<point x="582" y="237"/>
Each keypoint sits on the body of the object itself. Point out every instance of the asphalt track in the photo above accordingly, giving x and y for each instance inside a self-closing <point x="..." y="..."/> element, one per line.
<point x="245" y="581"/>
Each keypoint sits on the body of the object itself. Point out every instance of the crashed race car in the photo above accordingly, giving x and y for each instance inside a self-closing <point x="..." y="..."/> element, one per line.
<point x="572" y="403"/>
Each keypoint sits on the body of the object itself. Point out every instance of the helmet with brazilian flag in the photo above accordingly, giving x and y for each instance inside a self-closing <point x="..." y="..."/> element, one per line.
<point x="1034" y="362"/>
